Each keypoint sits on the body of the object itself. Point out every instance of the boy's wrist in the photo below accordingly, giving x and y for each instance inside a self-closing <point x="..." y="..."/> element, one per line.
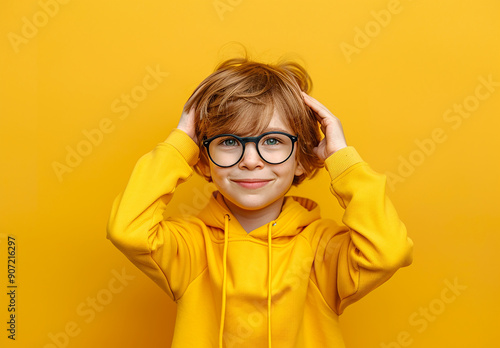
<point x="341" y="160"/>
<point x="184" y="144"/>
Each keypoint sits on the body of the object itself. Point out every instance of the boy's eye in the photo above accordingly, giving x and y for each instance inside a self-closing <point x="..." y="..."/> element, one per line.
<point x="229" y="142"/>
<point x="271" y="141"/>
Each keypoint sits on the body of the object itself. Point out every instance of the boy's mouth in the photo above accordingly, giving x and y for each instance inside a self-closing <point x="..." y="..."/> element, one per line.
<point x="252" y="183"/>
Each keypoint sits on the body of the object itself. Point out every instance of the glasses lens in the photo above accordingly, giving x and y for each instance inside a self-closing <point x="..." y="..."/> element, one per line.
<point x="275" y="147"/>
<point x="225" y="151"/>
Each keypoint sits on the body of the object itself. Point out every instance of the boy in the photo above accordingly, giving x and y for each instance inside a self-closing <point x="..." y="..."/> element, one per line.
<point x="257" y="268"/>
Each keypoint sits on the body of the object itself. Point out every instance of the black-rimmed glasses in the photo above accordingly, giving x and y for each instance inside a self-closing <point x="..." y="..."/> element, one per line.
<point x="226" y="150"/>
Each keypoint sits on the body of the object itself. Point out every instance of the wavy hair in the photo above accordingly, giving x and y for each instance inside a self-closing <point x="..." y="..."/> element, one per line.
<point x="241" y="96"/>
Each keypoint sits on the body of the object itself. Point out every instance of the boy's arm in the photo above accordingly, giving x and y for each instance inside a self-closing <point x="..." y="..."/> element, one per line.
<point x="354" y="259"/>
<point x="167" y="251"/>
<point x="372" y="245"/>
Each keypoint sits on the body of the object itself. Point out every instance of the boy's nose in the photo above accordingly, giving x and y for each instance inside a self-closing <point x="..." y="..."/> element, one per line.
<point x="251" y="158"/>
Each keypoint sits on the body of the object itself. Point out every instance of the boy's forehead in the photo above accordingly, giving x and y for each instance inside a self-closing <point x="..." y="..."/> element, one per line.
<point x="277" y="123"/>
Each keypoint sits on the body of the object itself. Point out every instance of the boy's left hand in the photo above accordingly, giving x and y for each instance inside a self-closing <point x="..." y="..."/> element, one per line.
<point x="331" y="127"/>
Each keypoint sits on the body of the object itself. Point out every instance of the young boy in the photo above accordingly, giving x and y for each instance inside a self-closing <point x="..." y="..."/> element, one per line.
<point x="257" y="268"/>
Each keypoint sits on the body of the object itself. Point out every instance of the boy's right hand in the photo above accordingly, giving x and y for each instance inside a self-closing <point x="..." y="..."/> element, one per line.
<point x="187" y="124"/>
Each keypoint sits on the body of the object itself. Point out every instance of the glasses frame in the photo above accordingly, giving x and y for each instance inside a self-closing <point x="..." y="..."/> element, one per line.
<point x="244" y="140"/>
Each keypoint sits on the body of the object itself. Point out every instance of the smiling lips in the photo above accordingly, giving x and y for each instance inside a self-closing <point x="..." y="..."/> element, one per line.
<point x="252" y="183"/>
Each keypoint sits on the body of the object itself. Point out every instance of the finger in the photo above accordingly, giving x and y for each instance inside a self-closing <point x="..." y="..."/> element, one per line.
<point x="317" y="153"/>
<point x="314" y="103"/>
<point x="192" y="111"/>
<point x="194" y="95"/>
<point x="319" y="108"/>
<point x="315" y="113"/>
<point x="322" y="126"/>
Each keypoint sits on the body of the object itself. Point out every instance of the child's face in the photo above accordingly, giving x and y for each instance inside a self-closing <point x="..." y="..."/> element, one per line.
<point x="253" y="184"/>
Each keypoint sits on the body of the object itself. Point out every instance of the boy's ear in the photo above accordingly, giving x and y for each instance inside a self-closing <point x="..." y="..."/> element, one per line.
<point x="299" y="170"/>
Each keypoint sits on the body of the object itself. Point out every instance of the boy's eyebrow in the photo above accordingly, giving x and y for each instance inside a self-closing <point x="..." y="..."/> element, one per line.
<point x="275" y="129"/>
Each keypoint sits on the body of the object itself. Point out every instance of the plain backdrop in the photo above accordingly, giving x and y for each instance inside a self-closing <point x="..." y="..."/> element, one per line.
<point x="87" y="87"/>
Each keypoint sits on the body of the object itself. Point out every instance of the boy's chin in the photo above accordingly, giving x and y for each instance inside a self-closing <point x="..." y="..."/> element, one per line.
<point x="249" y="204"/>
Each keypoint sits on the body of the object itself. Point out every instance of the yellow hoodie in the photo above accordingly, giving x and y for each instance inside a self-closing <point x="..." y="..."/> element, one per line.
<point x="282" y="285"/>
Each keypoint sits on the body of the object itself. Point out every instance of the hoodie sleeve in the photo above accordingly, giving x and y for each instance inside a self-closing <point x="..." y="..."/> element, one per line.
<point x="170" y="252"/>
<point x="354" y="259"/>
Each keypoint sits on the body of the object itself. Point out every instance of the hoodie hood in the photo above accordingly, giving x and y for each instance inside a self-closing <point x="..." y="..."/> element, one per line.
<point x="296" y="214"/>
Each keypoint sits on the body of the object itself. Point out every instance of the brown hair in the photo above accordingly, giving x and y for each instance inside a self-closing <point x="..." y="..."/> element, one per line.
<point x="240" y="97"/>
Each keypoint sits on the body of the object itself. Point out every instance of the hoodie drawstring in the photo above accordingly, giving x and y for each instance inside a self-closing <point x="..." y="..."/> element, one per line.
<point x="224" y="280"/>
<point x="269" y="234"/>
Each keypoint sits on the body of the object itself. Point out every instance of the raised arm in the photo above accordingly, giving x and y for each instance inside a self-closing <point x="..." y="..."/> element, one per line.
<point x="354" y="259"/>
<point x="169" y="251"/>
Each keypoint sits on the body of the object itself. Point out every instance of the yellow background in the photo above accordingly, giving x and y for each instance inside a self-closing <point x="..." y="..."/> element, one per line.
<point x="391" y="91"/>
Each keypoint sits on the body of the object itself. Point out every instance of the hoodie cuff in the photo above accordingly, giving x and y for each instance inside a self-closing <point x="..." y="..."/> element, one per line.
<point x="184" y="144"/>
<point x="341" y="160"/>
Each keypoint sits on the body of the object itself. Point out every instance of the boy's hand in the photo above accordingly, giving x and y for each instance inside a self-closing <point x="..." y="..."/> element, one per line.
<point x="331" y="127"/>
<point x="186" y="123"/>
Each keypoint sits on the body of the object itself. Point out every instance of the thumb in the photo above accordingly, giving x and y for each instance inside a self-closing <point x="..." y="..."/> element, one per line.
<point x="317" y="152"/>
